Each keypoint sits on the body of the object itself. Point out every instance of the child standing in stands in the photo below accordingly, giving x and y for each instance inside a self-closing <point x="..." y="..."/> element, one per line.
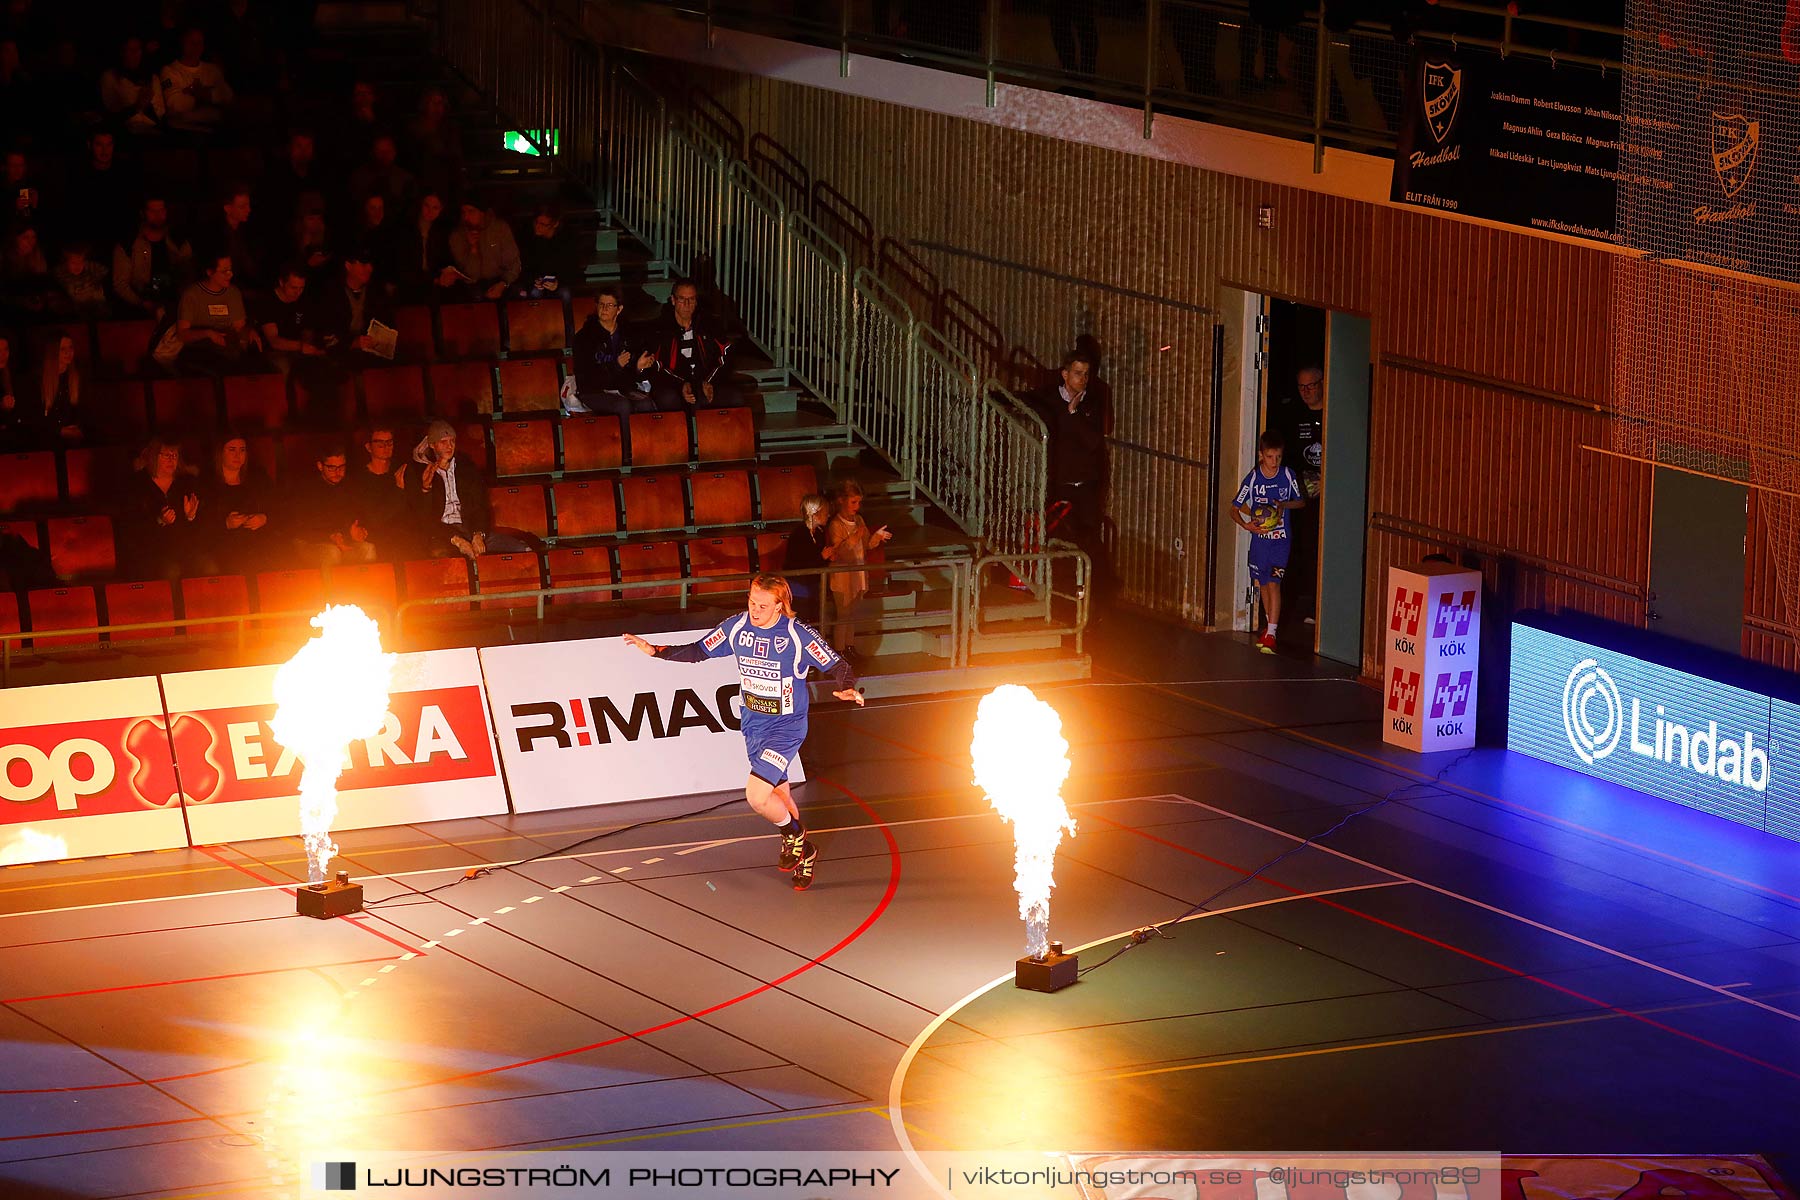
<point x="1263" y="501"/>
<point x="848" y="541"/>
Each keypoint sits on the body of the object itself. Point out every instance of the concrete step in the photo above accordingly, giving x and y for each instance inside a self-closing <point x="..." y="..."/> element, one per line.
<point x="776" y="400"/>
<point x="990" y="641"/>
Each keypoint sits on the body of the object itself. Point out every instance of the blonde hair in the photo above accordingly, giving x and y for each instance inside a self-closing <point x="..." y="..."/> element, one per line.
<point x="812" y="503"/>
<point x="777" y="587"/>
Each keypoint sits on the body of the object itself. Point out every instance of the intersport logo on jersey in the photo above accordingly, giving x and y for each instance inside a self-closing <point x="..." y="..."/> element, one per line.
<point x="1598" y="718"/>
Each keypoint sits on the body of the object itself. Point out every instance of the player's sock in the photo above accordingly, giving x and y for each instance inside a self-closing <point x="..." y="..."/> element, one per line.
<point x="1272" y="626"/>
<point x="793" y="828"/>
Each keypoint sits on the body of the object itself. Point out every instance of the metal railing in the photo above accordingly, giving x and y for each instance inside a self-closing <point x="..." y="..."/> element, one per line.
<point x="86" y="638"/>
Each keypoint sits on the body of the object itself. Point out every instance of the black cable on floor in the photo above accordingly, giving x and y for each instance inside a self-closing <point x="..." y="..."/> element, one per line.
<point x="1148" y="932"/>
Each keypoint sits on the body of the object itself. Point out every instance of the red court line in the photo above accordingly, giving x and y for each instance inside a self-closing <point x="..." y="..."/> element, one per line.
<point x="132" y="987"/>
<point x="1468" y="954"/>
<point x="207" y="850"/>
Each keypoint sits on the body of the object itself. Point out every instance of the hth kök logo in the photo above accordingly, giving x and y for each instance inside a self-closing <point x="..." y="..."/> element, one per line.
<point x="1407" y="604"/>
<point x="1403" y="699"/>
<point x="1450" y="698"/>
<point x="1453" y="615"/>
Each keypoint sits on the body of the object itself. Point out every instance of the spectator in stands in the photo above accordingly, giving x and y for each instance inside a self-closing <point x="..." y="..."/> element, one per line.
<point x="25" y="287"/>
<point x="808" y="546"/>
<point x="484" y="257"/>
<point x="60" y="418"/>
<point x="211" y="325"/>
<point x="434" y="144"/>
<point x="156" y="530"/>
<point x="848" y="541"/>
<point x="356" y="128"/>
<point x="607" y="368"/>
<point x="379" y="237"/>
<point x="284" y="319"/>
<point x="80" y="284"/>
<point x="24" y="199"/>
<point x="14" y="425"/>
<point x="235" y="502"/>
<point x="382" y="175"/>
<point x="149" y="274"/>
<point x="196" y="97"/>
<point x="447" y="494"/>
<point x="422" y="248"/>
<point x="346" y="309"/>
<point x="100" y="195"/>
<point x="131" y="93"/>
<point x="233" y="236"/>
<point x="551" y="260"/>
<point x="688" y="370"/>
<point x="311" y="243"/>
<point x="325" y="525"/>
<point x="383" y="503"/>
<point x="294" y="181"/>
<point x="162" y="33"/>
<point x="1077" y="428"/>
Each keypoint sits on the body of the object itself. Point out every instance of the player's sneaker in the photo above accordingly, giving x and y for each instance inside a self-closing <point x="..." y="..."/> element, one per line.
<point x="1266" y="643"/>
<point x="803" y="870"/>
<point x="791" y="847"/>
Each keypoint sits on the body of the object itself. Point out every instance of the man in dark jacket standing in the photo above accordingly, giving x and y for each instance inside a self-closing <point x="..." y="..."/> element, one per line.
<point x="1077" y="429"/>
<point x="689" y="368"/>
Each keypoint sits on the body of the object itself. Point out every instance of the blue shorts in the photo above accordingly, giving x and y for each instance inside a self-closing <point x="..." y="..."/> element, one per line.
<point x="772" y="743"/>
<point x="1268" y="559"/>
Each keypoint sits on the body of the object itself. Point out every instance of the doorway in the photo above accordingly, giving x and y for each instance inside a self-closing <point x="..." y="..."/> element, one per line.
<point x="1697" y="530"/>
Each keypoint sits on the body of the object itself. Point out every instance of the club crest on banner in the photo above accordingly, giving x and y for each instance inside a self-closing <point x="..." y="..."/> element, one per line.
<point x="1735" y="141"/>
<point x="1441" y="86"/>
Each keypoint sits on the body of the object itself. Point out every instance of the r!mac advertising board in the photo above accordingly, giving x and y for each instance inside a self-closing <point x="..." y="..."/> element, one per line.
<point x="1607" y="708"/>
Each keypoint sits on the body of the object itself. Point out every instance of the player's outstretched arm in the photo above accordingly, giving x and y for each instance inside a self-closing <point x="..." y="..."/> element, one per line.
<point x="638" y="643"/>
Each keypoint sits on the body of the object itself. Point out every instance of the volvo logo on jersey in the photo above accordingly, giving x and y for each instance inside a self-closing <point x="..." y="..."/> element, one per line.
<point x="1433" y="648"/>
<point x="1629" y="720"/>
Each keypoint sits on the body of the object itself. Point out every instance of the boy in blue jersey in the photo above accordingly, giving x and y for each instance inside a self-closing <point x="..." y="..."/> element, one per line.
<point x="1263" y="501"/>
<point x="774" y="653"/>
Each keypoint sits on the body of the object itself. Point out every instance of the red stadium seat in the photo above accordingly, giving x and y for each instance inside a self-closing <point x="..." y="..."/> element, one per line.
<point x="658" y="439"/>
<point x="584" y="567"/>
<point x="123" y="346"/>
<point x="214" y="596"/>
<point x="592" y="443"/>
<point x="529" y="385"/>
<point x="720" y="498"/>
<point x="139" y="604"/>
<point x="585" y="508"/>
<point x="256" y="403"/>
<point x="782" y="488"/>
<point x="184" y="403"/>
<point x="719" y="556"/>
<point x="460" y="391"/>
<point x="265" y="454"/>
<point x="240" y="163"/>
<point x="535" y="326"/>
<point x="724" y="434"/>
<point x="326" y="400"/>
<point x="653" y="503"/>
<point x="394" y="393"/>
<point x="9" y="612"/>
<point x="117" y="406"/>
<point x="524" y="447"/>
<point x="469" y="330"/>
<point x="81" y="547"/>
<point x="63" y="608"/>
<point x="649" y="560"/>
<point x="471" y="439"/>
<point x="771" y="552"/>
<point x="416" y="342"/>
<point x="301" y="590"/>
<point x="369" y="586"/>
<point x="27" y="531"/>
<point x="520" y="507"/>
<point x="581" y="308"/>
<point x="27" y="481"/>
<point x="436" y="577"/>
<point x="96" y="472"/>
<point x="508" y="573"/>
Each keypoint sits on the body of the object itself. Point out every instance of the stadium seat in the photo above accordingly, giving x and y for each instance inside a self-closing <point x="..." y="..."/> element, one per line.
<point x="585" y="508"/>
<point x="139" y="604"/>
<point x="265" y="454"/>
<point x="416" y="342"/>
<point x="81" y="547"/>
<point x="649" y="560"/>
<point x="460" y="391"/>
<point x="781" y="489"/>
<point x="535" y="326"/>
<point x="227" y="163"/>
<point x="524" y="447"/>
<point x="719" y="556"/>
<point x="529" y="385"/>
<point x="26" y="531"/>
<point x="63" y="608"/>
<point x="394" y="393"/>
<point x="471" y="439"/>
<point x="592" y="443"/>
<point x="123" y="346"/>
<point x="724" y="434"/>
<point x="658" y="439"/>
<point x="583" y="567"/>
<point x="9" y="612"/>
<point x="117" y="406"/>
<point x="325" y="401"/>
<point x="720" y="498"/>
<point x="520" y="507"/>
<point x="27" y="481"/>
<point x="508" y="573"/>
<point x="184" y="403"/>
<point x="581" y="308"/>
<point x="301" y="590"/>
<point x="652" y="503"/>
<point x="469" y="330"/>
<point x="256" y="403"/>
<point x="176" y="167"/>
<point x="771" y="551"/>
<point x="428" y="578"/>
<point x="214" y="596"/>
<point x="96" y="473"/>
<point x="370" y="586"/>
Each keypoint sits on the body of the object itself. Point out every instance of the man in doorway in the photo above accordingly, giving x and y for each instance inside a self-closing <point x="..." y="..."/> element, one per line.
<point x="1077" y="428"/>
<point x="1301" y="422"/>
